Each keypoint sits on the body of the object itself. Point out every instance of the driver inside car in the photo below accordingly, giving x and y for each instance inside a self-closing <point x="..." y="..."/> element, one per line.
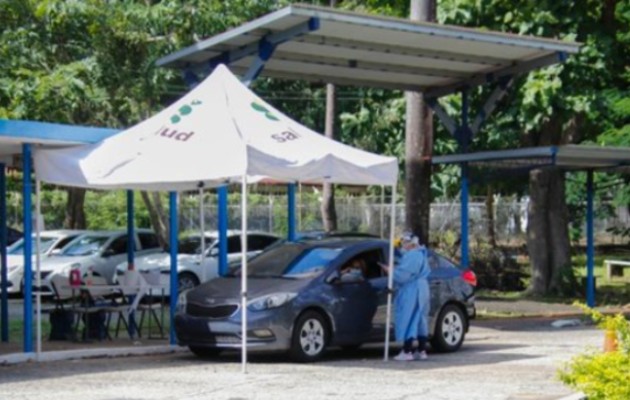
<point x="353" y="271"/>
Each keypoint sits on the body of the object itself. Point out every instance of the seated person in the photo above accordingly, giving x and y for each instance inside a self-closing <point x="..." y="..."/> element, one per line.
<point x="353" y="271"/>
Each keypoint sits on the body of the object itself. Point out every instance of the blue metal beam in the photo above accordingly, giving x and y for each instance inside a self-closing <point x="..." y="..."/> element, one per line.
<point x="291" y="211"/>
<point x="222" y="193"/>
<point x="464" y="138"/>
<point x="590" y="241"/>
<point x="172" y="236"/>
<point x="54" y="132"/>
<point x="28" y="248"/>
<point x="4" y="303"/>
<point x="491" y="103"/>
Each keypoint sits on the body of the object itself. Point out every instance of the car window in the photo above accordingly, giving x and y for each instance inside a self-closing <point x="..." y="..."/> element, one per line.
<point x="18" y="247"/>
<point x="437" y="261"/>
<point x="64" y="242"/>
<point x="371" y="260"/>
<point x="148" y="240"/>
<point x="119" y="245"/>
<point x="259" y="242"/>
<point x="84" y="246"/>
<point x="234" y="244"/>
<point x="291" y="260"/>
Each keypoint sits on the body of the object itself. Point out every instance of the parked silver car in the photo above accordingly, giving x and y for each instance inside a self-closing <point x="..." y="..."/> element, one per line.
<point x="50" y="242"/>
<point x="99" y="252"/>
<point x="301" y="302"/>
<point x="190" y="270"/>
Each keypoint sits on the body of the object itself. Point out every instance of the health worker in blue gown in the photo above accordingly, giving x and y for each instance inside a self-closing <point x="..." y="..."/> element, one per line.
<point x="413" y="300"/>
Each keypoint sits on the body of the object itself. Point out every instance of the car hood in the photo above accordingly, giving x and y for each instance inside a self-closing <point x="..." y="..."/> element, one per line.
<point x="56" y="263"/>
<point x="161" y="261"/>
<point x="229" y="289"/>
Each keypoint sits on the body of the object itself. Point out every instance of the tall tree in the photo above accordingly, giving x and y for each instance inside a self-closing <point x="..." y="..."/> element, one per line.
<point x="329" y="213"/>
<point x="418" y="145"/>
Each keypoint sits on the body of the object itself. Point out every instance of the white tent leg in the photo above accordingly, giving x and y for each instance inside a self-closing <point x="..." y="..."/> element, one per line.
<point x="390" y="275"/>
<point x="202" y="228"/>
<point x="244" y="274"/>
<point x="382" y="211"/>
<point x="38" y="295"/>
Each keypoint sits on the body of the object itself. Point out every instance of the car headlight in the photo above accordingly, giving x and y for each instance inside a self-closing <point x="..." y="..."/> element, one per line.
<point x="181" y="302"/>
<point x="270" y="301"/>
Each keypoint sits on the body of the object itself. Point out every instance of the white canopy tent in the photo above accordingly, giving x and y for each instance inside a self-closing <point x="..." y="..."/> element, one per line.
<point x="218" y="133"/>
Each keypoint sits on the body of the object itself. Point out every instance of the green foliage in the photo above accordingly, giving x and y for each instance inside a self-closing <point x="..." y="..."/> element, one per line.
<point x="602" y="375"/>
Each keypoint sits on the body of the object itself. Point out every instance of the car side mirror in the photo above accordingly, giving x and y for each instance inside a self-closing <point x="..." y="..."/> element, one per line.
<point x="108" y="252"/>
<point x="214" y="252"/>
<point x="333" y="278"/>
<point x="55" y="252"/>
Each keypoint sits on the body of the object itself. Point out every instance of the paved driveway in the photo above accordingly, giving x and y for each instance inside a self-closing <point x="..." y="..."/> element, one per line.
<point x="501" y="359"/>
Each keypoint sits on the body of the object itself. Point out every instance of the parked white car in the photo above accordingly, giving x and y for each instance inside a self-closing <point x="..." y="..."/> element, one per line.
<point x="99" y="251"/>
<point x="190" y="269"/>
<point x="50" y="242"/>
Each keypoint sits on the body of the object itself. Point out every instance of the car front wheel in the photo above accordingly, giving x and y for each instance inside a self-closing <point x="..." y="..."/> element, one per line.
<point x="186" y="281"/>
<point x="310" y="336"/>
<point x="450" y="329"/>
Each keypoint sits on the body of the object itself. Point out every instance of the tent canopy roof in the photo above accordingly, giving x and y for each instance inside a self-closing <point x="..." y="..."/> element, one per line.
<point x="328" y="45"/>
<point x="570" y="157"/>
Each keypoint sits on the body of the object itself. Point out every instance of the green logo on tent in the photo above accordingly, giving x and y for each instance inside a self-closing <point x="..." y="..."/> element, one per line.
<point x="263" y="109"/>
<point x="184" y="110"/>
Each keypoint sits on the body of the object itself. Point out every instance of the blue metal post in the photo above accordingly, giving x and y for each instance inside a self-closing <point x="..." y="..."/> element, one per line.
<point x="590" y="241"/>
<point x="131" y="241"/>
<point x="291" y="210"/>
<point x="28" y="249"/>
<point x="222" y="193"/>
<point x="172" y="236"/>
<point x="464" y="137"/>
<point x="4" y="306"/>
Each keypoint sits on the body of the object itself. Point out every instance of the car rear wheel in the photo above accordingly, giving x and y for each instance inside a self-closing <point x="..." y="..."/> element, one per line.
<point x="186" y="281"/>
<point x="450" y="329"/>
<point x="205" y="352"/>
<point x="310" y="336"/>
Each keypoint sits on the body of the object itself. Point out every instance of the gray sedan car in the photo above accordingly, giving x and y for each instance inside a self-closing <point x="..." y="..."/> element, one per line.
<point x="303" y="301"/>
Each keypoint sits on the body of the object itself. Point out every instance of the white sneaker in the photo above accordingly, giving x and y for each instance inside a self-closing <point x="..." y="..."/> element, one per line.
<point x="402" y="356"/>
<point x="420" y="355"/>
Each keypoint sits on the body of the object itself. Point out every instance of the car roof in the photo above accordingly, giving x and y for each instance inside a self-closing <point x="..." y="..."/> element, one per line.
<point x="341" y="241"/>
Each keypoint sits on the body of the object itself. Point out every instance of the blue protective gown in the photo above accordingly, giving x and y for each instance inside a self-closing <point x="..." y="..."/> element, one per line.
<point x="412" y="302"/>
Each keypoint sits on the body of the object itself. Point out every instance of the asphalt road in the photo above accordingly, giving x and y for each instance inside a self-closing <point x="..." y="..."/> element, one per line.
<point x="501" y="359"/>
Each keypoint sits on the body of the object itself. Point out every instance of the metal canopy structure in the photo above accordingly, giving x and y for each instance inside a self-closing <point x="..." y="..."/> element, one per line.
<point x="331" y="46"/>
<point x="568" y="157"/>
<point x="13" y="134"/>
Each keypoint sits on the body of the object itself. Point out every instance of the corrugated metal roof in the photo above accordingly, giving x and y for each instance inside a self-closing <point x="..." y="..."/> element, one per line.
<point x="574" y="157"/>
<point x="367" y="50"/>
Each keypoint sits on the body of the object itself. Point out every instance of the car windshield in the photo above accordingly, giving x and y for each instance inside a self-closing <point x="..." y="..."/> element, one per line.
<point x="291" y="260"/>
<point x="84" y="246"/>
<point x="45" y="243"/>
<point x="192" y="245"/>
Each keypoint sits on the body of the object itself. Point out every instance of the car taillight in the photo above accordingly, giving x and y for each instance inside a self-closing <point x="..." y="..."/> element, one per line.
<point x="469" y="277"/>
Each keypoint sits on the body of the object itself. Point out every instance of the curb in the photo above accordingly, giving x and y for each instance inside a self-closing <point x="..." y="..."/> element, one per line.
<point x="47" y="356"/>
<point x="574" y="396"/>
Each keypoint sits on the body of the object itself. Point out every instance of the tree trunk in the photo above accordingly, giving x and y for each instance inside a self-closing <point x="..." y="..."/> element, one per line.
<point x="75" y="213"/>
<point x="418" y="145"/>
<point x="159" y="219"/>
<point x="329" y="212"/>
<point x="562" y="280"/>
<point x="537" y="231"/>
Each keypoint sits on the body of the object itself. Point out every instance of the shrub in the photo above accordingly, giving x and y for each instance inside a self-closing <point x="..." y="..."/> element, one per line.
<point x="496" y="269"/>
<point x="603" y="375"/>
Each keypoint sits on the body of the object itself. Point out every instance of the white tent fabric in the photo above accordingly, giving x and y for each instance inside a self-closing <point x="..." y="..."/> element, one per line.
<point x="215" y="134"/>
